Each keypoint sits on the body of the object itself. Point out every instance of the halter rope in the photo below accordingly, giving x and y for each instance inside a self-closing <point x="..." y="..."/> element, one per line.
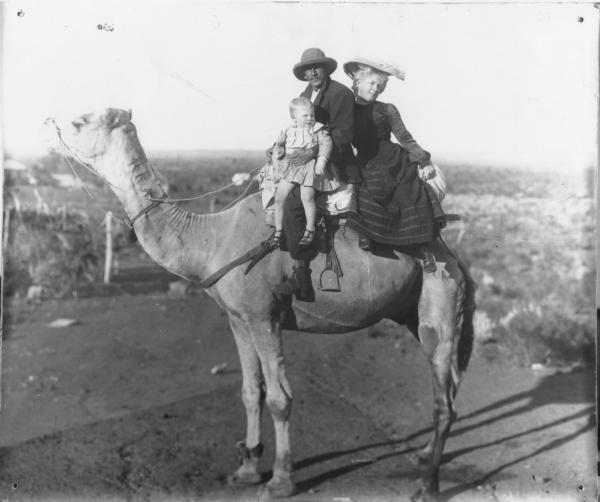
<point x="154" y="201"/>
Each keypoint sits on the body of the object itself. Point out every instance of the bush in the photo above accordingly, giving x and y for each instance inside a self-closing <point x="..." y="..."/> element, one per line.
<point x="552" y="337"/>
<point x="58" y="252"/>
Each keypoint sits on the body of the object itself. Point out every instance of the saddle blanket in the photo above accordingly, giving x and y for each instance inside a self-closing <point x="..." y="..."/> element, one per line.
<point x="340" y="201"/>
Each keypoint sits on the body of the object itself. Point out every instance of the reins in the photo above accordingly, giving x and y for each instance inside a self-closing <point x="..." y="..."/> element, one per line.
<point x="154" y="202"/>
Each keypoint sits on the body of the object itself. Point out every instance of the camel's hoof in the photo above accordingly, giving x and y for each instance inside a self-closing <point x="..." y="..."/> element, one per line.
<point x="244" y="478"/>
<point x="276" y="490"/>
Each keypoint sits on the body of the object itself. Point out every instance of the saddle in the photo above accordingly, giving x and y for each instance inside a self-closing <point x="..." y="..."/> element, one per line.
<point x="329" y="278"/>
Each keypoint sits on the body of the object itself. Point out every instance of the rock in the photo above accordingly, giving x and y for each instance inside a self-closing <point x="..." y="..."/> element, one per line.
<point x="62" y="323"/>
<point x="219" y="368"/>
<point x="34" y="293"/>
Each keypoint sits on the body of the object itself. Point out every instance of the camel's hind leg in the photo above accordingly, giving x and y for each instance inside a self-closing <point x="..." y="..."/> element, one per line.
<point x="438" y="334"/>
<point x="253" y="397"/>
<point x="268" y="344"/>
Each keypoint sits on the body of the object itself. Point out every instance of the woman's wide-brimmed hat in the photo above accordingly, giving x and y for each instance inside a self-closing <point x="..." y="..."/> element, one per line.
<point x="352" y="66"/>
<point x="311" y="57"/>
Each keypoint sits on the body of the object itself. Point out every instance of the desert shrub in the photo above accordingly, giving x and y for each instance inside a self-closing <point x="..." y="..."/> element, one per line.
<point x="58" y="252"/>
<point x="553" y="337"/>
<point x="534" y="261"/>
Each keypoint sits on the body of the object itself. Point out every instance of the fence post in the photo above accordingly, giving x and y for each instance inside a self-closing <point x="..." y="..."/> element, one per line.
<point x="108" y="255"/>
<point x="6" y="226"/>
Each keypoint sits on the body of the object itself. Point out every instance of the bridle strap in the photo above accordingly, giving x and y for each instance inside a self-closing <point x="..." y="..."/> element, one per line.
<point x="146" y="210"/>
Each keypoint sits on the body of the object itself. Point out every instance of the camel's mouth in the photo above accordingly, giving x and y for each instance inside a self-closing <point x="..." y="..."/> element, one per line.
<point x="62" y="137"/>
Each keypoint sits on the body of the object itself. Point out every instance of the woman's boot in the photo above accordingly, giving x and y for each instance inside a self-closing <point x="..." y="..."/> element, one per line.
<point x="364" y="243"/>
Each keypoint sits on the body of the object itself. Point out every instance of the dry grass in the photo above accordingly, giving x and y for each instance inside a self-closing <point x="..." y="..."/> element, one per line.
<point x="527" y="237"/>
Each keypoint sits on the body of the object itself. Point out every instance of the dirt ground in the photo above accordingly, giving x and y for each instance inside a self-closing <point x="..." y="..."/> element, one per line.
<point x="123" y="406"/>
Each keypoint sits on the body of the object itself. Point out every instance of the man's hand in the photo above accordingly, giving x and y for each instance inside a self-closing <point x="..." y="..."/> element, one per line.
<point x="320" y="166"/>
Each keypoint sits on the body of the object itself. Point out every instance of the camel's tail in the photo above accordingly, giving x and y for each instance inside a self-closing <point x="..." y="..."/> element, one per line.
<point x="467" y="313"/>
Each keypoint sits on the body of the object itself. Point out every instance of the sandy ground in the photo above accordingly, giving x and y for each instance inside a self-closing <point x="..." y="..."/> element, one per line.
<point x="123" y="406"/>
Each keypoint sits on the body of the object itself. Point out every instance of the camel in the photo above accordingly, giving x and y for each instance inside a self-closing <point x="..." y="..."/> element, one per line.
<point x="436" y="307"/>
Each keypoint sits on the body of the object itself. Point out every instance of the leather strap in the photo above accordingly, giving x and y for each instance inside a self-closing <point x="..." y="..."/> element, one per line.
<point x="332" y="261"/>
<point x="254" y="255"/>
<point x="146" y="210"/>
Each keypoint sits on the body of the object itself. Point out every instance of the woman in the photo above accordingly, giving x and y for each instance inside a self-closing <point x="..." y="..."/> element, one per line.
<point x="395" y="207"/>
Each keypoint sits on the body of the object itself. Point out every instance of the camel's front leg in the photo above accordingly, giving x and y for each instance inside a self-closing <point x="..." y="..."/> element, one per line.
<point x="268" y="344"/>
<point x="437" y="332"/>
<point x="250" y="449"/>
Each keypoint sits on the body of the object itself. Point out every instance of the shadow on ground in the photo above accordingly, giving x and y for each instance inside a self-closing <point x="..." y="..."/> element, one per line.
<point x="185" y="448"/>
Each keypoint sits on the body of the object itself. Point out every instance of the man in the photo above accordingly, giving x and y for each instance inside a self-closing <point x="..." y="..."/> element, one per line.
<point x="334" y="107"/>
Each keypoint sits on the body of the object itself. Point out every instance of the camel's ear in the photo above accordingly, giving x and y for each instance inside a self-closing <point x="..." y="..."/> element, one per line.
<point x="130" y="113"/>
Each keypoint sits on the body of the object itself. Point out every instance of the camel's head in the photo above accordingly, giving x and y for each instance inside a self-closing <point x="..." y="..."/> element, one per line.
<point x="107" y="143"/>
<point x="94" y="135"/>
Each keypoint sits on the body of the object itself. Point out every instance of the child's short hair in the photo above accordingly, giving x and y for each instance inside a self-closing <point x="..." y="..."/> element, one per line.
<point x="301" y="102"/>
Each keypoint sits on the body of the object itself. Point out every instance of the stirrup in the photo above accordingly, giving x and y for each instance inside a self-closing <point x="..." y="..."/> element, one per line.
<point x="276" y="238"/>
<point x="307" y="238"/>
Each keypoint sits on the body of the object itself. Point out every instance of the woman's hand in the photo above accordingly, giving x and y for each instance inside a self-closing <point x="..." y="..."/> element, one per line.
<point x="427" y="172"/>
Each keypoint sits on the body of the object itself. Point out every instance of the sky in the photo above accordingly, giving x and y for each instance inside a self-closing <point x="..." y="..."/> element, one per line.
<point x="493" y="84"/>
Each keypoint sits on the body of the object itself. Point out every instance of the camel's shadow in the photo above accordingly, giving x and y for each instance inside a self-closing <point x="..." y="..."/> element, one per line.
<point x="574" y="387"/>
<point x="185" y="447"/>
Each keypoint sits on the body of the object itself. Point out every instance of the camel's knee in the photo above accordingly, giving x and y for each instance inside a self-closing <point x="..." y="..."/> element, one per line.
<point x="444" y="415"/>
<point x="252" y="395"/>
<point x="279" y="404"/>
<point x="429" y="338"/>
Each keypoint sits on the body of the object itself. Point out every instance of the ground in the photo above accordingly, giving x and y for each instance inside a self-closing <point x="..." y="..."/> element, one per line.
<point x="123" y="406"/>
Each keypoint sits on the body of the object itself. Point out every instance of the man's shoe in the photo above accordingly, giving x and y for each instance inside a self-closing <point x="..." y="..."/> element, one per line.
<point x="305" y="289"/>
<point x="299" y="284"/>
<point x="287" y="287"/>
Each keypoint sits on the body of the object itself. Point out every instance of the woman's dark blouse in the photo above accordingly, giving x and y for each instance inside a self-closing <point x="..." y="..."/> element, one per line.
<point x="394" y="206"/>
<point x="374" y="124"/>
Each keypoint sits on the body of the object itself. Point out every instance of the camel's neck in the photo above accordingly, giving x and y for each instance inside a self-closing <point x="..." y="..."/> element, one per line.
<point x="183" y="242"/>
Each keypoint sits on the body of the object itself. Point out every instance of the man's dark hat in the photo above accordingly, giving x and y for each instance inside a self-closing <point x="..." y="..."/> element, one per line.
<point x="311" y="57"/>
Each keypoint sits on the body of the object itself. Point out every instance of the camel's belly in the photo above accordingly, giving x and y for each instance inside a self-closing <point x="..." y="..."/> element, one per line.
<point x="366" y="296"/>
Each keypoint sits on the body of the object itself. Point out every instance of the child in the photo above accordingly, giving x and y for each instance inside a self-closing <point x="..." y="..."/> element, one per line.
<point x="302" y="152"/>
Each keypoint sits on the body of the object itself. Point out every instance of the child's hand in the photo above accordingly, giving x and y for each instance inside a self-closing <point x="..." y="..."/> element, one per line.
<point x="320" y="166"/>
